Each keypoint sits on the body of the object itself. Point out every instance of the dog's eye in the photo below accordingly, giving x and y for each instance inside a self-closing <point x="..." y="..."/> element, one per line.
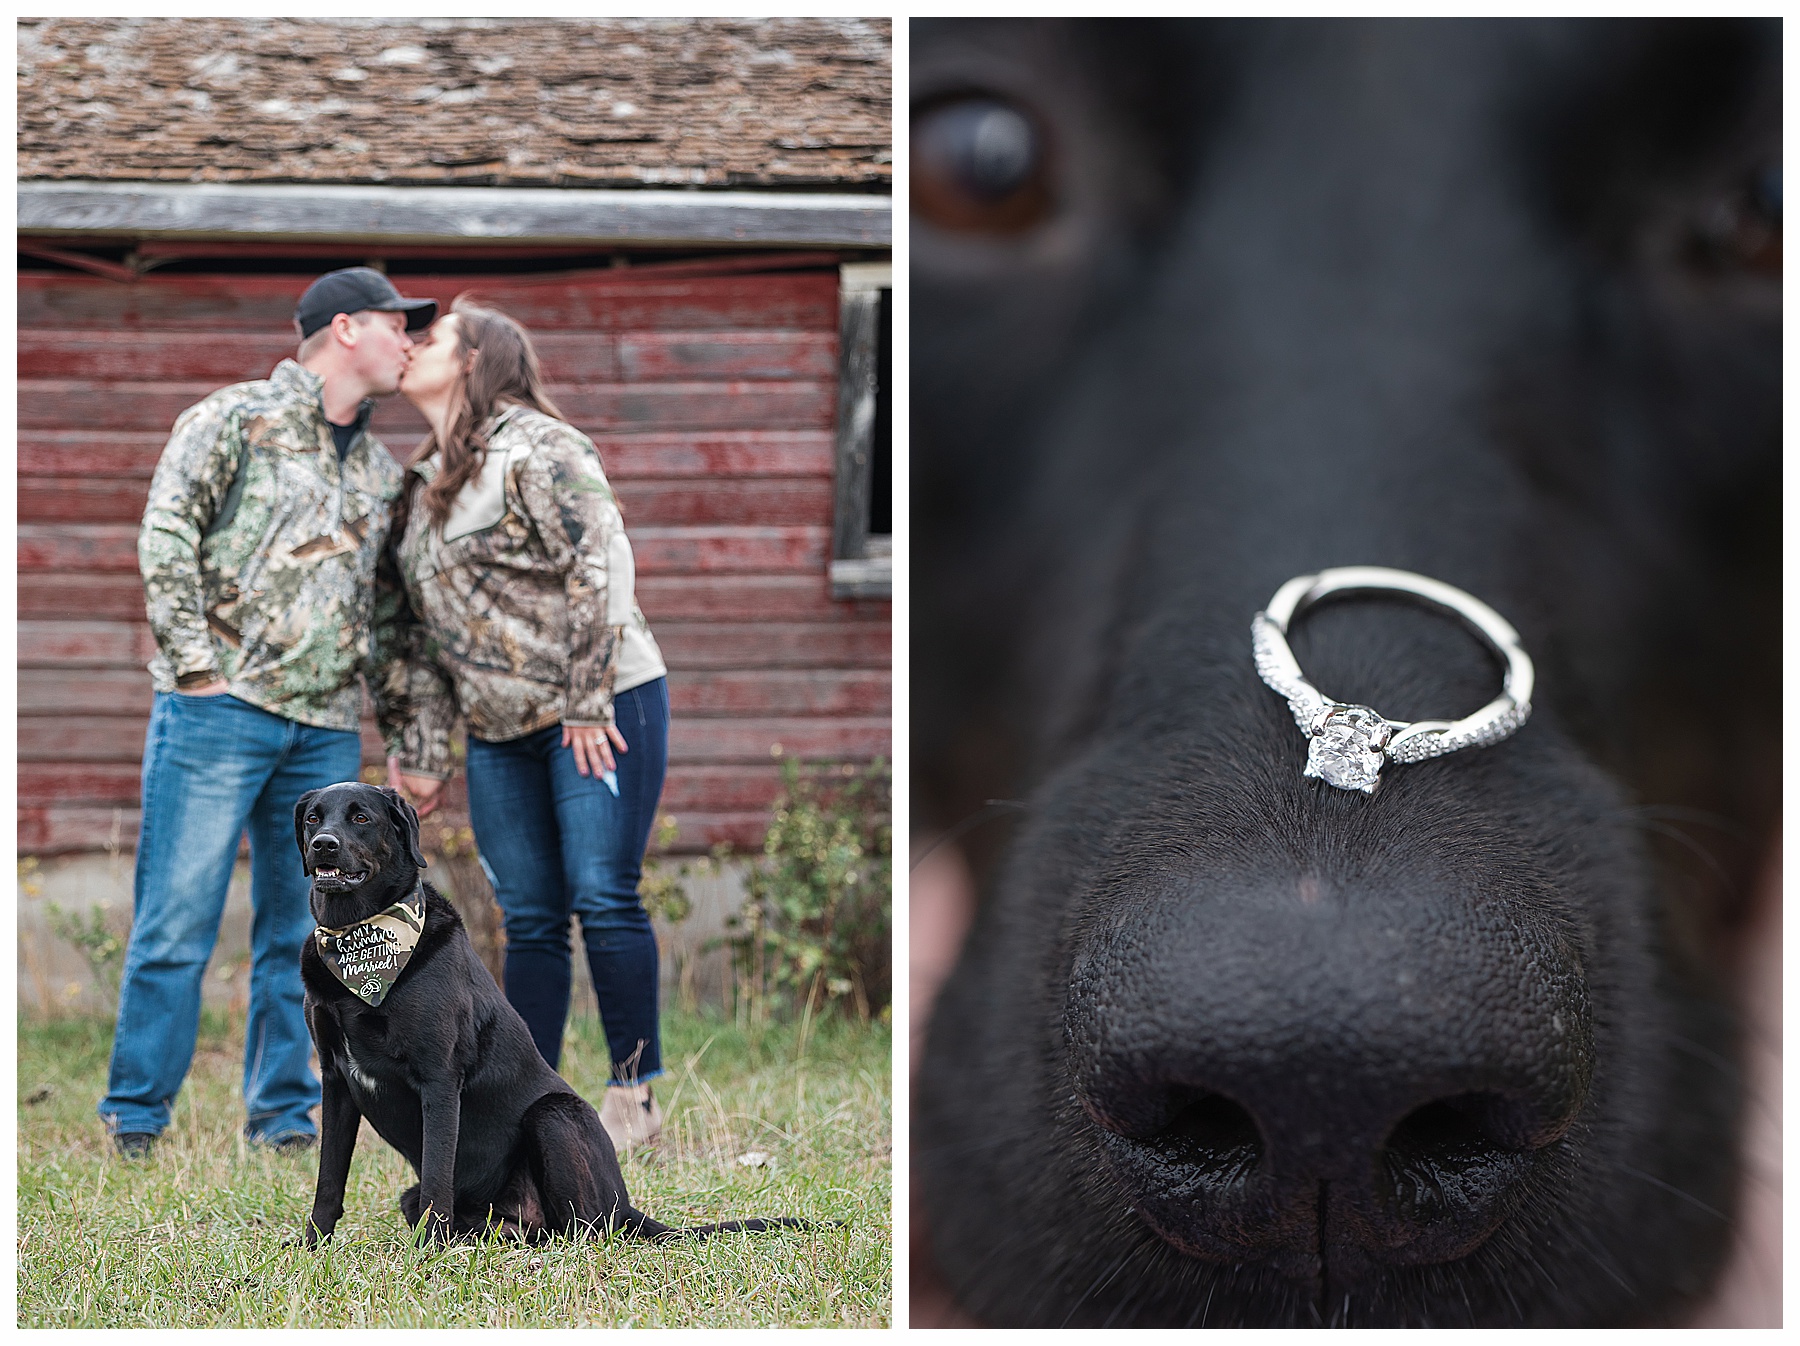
<point x="359" y="817"/>
<point x="1741" y="230"/>
<point x="979" y="165"/>
<point x="312" y="820"/>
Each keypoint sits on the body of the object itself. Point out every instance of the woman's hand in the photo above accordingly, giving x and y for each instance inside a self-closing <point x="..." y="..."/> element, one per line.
<point x="421" y="791"/>
<point x="589" y="743"/>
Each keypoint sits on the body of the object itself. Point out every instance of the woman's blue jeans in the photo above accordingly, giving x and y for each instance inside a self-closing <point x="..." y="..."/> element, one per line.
<point x="214" y="765"/>
<point x="556" y="842"/>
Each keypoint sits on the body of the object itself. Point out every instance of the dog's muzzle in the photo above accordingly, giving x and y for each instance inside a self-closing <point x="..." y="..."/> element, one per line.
<point x="331" y="876"/>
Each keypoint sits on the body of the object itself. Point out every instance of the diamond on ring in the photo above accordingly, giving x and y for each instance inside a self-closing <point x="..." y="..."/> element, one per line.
<point x="1348" y="745"/>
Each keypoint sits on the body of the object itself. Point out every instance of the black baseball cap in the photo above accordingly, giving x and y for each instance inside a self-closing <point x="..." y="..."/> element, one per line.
<point x="353" y="290"/>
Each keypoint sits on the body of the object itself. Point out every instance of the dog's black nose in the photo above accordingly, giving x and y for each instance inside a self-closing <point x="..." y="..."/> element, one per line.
<point x="322" y="844"/>
<point x="1305" y="1072"/>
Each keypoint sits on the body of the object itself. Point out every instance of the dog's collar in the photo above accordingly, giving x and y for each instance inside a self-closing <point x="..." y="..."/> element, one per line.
<point x="369" y="956"/>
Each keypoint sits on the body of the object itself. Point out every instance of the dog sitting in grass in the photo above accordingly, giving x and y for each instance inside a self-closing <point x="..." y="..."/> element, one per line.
<point x="413" y="1034"/>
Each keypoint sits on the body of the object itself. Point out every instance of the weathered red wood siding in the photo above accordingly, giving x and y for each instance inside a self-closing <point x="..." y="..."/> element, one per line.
<point x="711" y="399"/>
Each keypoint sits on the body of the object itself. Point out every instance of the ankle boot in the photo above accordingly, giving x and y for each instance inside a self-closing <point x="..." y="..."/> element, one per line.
<point x="630" y="1116"/>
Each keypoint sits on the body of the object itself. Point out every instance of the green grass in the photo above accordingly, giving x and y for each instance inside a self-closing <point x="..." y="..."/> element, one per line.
<point x="205" y="1233"/>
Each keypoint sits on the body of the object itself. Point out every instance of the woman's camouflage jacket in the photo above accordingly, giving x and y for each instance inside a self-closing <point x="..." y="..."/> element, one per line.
<point x="522" y="600"/>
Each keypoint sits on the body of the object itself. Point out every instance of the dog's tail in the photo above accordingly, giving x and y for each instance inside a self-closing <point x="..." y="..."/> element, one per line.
<point x="576" y="1171"/>
<point x="639" y="1225"/>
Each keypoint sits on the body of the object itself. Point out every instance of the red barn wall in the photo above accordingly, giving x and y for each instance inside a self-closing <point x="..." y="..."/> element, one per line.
<point x="711" y="399"/>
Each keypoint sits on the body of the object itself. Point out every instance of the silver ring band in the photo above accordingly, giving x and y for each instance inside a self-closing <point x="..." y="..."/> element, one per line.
<point x="1351" y="743"/>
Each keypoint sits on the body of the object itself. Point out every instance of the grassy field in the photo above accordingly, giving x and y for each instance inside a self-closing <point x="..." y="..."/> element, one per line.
<point x="205" y="1234"/>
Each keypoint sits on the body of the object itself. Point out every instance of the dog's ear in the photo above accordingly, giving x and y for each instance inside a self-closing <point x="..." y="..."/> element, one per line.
<point x="301" y="805"/>
<point x="405" y="821"/>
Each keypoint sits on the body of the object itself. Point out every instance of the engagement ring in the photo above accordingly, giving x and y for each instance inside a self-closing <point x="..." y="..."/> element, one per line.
<point x="1349" y="744"/>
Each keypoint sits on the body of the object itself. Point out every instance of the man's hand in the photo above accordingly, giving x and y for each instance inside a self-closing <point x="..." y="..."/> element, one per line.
<point x="589" y="743"/>
<point x="422" y="791"/>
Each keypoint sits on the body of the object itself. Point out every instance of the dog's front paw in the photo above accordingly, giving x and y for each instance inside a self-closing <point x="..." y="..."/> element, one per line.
<point x="428" y="1225"/>
<point x="316" y="1232"/>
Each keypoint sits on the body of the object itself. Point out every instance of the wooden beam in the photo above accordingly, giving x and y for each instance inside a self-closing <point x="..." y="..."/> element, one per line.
<point x="547" y="215"/>
<point x="872" y="577"/>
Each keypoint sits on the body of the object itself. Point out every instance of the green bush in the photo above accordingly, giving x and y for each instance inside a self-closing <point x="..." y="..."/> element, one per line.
<point x="663" y="886"/>
<point x="94" y="938"/>
<point x="814" y="929"/>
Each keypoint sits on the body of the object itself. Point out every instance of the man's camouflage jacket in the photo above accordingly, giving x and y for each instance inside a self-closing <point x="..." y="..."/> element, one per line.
<point x="258" y="551"/>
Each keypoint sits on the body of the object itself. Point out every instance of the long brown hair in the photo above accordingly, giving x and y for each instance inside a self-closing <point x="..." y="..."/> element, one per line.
<point x="505" y="369"/>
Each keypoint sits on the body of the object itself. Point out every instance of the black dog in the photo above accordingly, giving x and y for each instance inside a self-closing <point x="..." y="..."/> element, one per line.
<point x="1202" y="307"/>
<point x="441" y="1065"/>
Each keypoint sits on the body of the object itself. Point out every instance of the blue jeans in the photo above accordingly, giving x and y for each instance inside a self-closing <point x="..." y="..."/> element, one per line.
<point x="214" y="765"/>
<point x="556" y="842"/>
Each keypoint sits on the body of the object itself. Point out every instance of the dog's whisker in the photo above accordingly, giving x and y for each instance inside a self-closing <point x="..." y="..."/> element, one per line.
<point x="994" y="808"/>
<point x="1712" y="863"/>
<point x="974" y="1146"/>
<point x="1106" y="1278"/>
<point x="1671" y="1189"/>
<point x="1682" y="814"/>
<point x="1726" y="1067"/>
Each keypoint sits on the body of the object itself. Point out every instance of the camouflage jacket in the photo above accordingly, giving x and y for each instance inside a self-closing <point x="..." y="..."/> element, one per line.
<point x="258" y="551"/>
<point x="522" y="602"/>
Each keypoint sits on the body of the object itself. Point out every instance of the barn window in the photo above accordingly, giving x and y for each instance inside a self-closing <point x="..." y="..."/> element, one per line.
<point x="862" y="552"/>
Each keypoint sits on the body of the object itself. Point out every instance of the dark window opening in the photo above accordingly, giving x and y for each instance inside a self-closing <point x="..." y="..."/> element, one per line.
<point x="881" y="456"/>
<point x="862" y="536"/>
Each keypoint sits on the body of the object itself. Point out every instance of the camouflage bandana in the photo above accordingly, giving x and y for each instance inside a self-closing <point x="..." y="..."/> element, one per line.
<point x="369" y="957"/>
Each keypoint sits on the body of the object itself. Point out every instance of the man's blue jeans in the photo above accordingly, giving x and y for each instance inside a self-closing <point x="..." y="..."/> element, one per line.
<point x="214" y="765"/>
<point x="554" y="842"/>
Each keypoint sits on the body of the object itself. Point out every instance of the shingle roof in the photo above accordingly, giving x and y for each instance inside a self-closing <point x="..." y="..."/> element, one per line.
<point x="530" y="102"/>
